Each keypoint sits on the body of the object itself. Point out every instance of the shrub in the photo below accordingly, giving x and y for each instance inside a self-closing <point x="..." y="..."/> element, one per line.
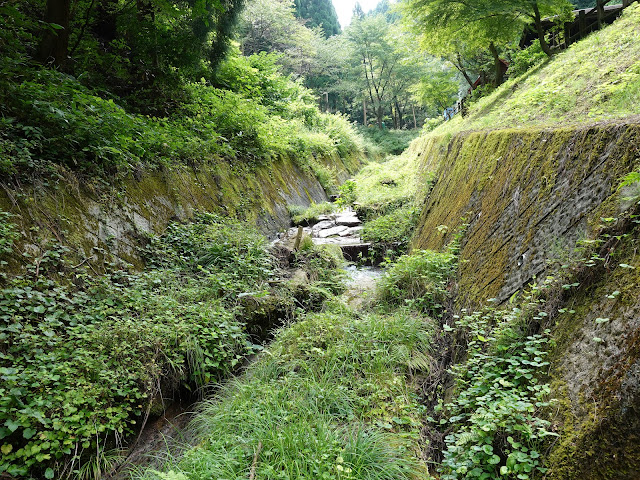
<point x="524" y="60"/>
<point x="418" y="280"/>
<point x="391" y="232"/>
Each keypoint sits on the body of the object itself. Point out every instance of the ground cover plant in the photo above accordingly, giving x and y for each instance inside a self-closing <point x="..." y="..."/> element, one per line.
<point x="86" y="357"/>
<point x="386" y="196"/>
<point x="495" y="422"/>
<point x="311" y="215"/>
<point x="383" y="186"/>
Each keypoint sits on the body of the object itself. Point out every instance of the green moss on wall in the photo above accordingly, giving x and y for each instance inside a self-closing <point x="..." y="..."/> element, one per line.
<point x="514" y="188"/>
<point x="95" y="221"/>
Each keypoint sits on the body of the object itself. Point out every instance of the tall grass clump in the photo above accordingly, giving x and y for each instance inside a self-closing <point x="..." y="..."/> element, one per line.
<point x="330" y="398"/>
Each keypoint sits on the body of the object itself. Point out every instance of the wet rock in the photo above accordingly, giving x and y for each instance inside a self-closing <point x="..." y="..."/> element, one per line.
<point x="351" y="232"/>
<point x="329" y="232"/>
<point x="323" y="225"/>
<point x="299" y="278"/>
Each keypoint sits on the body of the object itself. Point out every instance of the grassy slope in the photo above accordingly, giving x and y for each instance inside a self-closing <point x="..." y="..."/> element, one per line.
<point x="597" y="79"/>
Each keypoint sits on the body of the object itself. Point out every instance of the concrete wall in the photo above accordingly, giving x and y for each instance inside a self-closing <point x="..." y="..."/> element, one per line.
<point x="527" y="197"/>
<point x="93" y="218"/>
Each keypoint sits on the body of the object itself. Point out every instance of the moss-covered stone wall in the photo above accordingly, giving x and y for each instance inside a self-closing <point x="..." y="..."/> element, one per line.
<point x="596" y="372"/>
<point x="526" y="195"/>
<point x="95" y="219"/>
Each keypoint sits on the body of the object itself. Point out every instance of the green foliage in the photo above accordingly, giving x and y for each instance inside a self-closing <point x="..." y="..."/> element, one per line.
<point x="52" y="119"/>
<point x="595" y="79"/>
<point x="8" y="234"/>
<point x="493" y="421"/>
<point x="347" y="193"/>
<point x="418" y="280"/>
<point x="630" y="187"/>
<point x="524" y="60"/>
<point x="85" y="355"/>
<point x="328" y="399"/>
<point x="320" y="13"/>
<point x="390" y="142"/>
<point x="382" y="187"/>
<point x="390" y="234"/>
<point x="311" y="214"/>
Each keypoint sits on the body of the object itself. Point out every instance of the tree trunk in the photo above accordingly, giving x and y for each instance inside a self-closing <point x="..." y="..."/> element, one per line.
<point x="364" y="110"/>
<point x="499" y="74"/>
<point x="415" y="122"/>
<point x="400" y="116"/>
<point x="538" y="20"/>
<point x="54" y="44"/>
<point x="380" y="115"/>
<point x="459" y="67"/>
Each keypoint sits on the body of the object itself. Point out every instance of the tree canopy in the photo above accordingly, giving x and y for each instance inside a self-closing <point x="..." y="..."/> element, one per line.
<point x="319" y="13"/>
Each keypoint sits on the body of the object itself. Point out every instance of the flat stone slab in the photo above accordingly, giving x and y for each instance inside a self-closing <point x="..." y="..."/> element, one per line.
<point x="349" y="233"/>
<point x="329" y="232"/>
<point x="348" y="221"/>
<point x="323" y="225"/>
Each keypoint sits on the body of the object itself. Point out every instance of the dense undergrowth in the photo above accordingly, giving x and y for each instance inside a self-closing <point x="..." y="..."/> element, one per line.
<point x="343" y="394"/>
<point x="330" y="398"/>
<point x="87" y="355"/>
<point x="49" y="119"/>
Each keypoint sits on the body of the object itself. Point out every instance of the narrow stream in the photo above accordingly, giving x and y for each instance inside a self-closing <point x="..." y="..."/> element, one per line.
<point x="361" y="284"/>
<point x="169" y="431"/>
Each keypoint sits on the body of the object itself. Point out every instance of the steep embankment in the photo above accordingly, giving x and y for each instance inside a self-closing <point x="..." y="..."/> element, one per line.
<point x="86" y="217"/>
<point x="544" y="196"/>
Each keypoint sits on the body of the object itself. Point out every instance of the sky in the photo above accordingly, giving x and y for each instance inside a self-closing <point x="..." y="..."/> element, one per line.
<point x="344" y="8"/>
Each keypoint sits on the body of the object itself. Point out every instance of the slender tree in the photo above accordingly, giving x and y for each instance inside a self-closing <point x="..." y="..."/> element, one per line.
<point x="54" y="44"/>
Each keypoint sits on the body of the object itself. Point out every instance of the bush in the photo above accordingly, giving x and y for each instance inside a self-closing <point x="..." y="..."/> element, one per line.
<point x="418" y="280"/>
<point x="391" y="232"/>
<point x="524" y="60"/>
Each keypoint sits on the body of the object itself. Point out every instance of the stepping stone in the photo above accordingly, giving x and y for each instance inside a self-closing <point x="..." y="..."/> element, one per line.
<point x="323" y="225"/>
<point x="332" y="231"/>
<point x="349" y="232"/>
<point x="348" y="221"/>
